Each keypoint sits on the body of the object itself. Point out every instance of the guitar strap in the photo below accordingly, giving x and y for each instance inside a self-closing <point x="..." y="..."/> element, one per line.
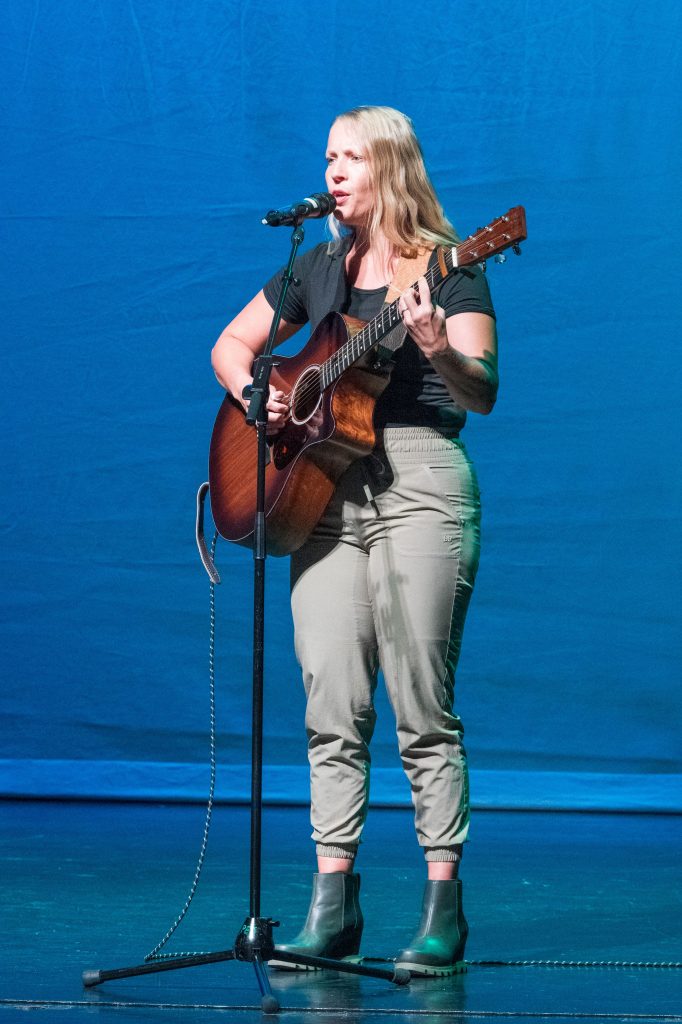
<point x="409" y="269"/>
<point x="406" y="273"/>
<point x="204" y="553"/>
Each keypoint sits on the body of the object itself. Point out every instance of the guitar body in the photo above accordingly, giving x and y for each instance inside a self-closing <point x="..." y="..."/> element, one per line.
<point x="328" y="430"/>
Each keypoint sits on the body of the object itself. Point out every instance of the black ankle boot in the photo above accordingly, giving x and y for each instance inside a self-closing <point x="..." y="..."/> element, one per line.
<point x="333" y="927"/>
<point x="438" y="946"/>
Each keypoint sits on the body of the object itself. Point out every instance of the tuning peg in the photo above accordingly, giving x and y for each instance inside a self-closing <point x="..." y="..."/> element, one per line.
<point x="517" y="248"/>
<point x="500" y="258"/>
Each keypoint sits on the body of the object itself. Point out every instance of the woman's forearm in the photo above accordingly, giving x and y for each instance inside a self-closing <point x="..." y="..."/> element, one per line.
<point x="231" y="360"/>
<point x="471" y="381"/>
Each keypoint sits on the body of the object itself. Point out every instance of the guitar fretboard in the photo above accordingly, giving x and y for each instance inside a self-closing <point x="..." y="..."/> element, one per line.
<point x="372" y="333"/>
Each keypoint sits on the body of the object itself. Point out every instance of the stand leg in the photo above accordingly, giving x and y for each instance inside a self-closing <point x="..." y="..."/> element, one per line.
<point x="92" y="978"/>
<point x="268" y="1002"/>
<point x="398" y="975"/>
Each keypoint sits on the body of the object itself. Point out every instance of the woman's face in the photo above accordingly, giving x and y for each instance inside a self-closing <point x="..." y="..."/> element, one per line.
<point x="347" y="175"/>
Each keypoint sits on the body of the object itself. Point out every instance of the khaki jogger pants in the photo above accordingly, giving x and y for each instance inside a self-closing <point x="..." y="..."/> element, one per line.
<point x="385" y="580"/>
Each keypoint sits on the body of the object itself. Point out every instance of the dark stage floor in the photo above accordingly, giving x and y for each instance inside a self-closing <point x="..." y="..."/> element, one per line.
<point x="97" y="885"/>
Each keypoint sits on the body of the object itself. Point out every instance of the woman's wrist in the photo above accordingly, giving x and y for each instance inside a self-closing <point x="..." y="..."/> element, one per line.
<point x="443" y="351"/>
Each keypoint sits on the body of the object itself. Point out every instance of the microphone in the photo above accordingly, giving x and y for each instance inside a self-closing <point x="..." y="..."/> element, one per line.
<point x="317" y="205"/>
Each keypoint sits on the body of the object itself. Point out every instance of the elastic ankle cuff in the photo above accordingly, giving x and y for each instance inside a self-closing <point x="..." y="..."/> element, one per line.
<point x="338" y="852"/>
<point x="450" y="854"/>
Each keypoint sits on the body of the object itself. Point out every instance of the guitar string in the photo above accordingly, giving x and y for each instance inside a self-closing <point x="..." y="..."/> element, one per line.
<point x="383" y="322"/>
<point x="364" y="336"/>
<point x="346" y="354"/>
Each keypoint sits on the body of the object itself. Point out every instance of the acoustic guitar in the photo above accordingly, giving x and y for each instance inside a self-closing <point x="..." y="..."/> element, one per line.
<point x="332" y="386"/>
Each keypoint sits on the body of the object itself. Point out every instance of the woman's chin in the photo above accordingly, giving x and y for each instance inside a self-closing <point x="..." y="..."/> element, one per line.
<point x="348" y="221"/>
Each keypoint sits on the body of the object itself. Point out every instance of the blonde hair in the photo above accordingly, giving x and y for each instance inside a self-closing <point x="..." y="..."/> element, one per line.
<point x="407" y="211"/>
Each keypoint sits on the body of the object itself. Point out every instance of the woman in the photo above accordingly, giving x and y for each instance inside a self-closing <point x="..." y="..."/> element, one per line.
<point x="385" y="578"/>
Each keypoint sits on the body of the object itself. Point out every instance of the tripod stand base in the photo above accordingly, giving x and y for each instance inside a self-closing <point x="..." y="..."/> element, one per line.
<point x="254" y="945"/>
<point x="269" y="1002"/>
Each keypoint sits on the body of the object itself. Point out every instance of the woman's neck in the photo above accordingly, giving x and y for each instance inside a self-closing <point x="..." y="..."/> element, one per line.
<point x="370" y="266"/>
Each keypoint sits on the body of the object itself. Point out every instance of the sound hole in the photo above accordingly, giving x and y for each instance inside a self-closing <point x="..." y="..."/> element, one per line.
<point x="306" y="395"/>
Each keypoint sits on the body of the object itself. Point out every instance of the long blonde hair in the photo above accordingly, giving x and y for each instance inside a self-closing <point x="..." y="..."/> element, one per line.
<point x="407" y="211"/>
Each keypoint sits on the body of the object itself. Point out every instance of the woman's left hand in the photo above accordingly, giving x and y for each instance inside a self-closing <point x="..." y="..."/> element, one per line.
<point x="425" y="323"/>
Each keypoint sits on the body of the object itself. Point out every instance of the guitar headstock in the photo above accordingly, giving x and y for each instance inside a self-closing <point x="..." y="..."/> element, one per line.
<point x="504" y="232"/>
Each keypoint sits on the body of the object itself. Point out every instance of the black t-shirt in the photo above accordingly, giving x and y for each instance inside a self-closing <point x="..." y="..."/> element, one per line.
<point x="415" y="395"/>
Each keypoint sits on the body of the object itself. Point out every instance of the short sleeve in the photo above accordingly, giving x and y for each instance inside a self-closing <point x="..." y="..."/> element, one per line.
<point x="466" y="291"/>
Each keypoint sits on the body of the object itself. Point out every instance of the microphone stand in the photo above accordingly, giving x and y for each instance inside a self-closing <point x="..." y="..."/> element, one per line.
<point x="255" y="943"/>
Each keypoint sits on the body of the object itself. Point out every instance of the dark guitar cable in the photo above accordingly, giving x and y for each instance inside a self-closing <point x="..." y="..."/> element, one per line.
<point x="574" y="963"/>
<point x="639" y="964"/>
<point x="155" y="953"/>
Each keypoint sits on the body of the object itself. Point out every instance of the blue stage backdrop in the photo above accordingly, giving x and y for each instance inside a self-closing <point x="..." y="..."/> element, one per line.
<point x="142" y="142"/>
